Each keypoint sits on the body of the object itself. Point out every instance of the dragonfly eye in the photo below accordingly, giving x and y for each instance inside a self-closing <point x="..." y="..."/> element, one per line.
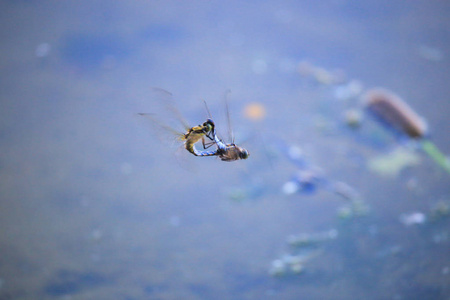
<point x="209" y="125"/>
<point x="206" y="127"/>
<point x="209" y="122"/>
<point x="243" y="154"/>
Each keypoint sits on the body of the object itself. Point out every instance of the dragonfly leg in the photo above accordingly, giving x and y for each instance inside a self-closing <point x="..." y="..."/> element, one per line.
<point x="208" y="135"/>
<point x="208" y="144"/>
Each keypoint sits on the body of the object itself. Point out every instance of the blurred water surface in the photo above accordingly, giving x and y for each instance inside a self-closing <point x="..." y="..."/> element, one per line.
<point x="95" y="206"/>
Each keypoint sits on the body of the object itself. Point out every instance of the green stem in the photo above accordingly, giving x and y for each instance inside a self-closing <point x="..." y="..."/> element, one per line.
<point x="433" y="152"/>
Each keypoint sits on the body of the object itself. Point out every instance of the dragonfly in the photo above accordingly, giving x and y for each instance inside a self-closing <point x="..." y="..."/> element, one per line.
<point x="230" y="151"/>
<point x="226" y="152"/>
<point x="192" y="135"/>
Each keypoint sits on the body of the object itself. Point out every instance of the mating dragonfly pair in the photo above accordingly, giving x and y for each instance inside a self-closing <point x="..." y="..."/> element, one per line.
<point x="226" y="152"/>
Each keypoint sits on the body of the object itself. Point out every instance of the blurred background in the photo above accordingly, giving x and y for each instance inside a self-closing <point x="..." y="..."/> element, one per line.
<point x="329" y="205"/>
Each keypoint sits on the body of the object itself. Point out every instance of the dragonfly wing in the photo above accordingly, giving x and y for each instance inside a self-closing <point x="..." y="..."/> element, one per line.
<point x="166" y="134"/>
<point x="167" y="122"/>
<point x="207" y="110"/>
<point x="166" y="98"/>
<point x="227" y="111"/>
<point x="153" y="118"/>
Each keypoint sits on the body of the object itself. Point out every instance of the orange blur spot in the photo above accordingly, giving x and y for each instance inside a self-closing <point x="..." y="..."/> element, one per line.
<point x="255" y="112"/>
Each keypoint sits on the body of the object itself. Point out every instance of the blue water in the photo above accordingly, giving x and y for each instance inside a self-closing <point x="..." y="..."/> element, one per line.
<point x="95" y="206"/>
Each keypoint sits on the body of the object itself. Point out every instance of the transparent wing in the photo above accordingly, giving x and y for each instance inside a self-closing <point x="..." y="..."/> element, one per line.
<point x="219" y="133"/>
<point x="207" y="110"/>
<point x="168" y="124"/>
<point x="165" y="103"/>
<point x="228" y="117"/>
<point x="153" y="118"/>
<point x="170" y="138"/>
<point x="168" y="135"/>
<point x="165" y="120"/>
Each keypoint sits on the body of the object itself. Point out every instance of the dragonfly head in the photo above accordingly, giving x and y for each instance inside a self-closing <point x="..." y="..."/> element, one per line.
<point x="243" y="153"/>
<point x="209" y="125"/>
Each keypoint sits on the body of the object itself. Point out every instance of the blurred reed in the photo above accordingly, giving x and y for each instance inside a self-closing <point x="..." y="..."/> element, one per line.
<point x="395" y="113"/>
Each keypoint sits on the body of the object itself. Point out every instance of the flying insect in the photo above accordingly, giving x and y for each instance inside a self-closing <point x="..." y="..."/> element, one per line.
<point x="192" y="135"/>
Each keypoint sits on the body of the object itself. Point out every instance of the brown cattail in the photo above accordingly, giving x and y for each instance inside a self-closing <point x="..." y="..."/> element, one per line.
<point x="391" y="109"/>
